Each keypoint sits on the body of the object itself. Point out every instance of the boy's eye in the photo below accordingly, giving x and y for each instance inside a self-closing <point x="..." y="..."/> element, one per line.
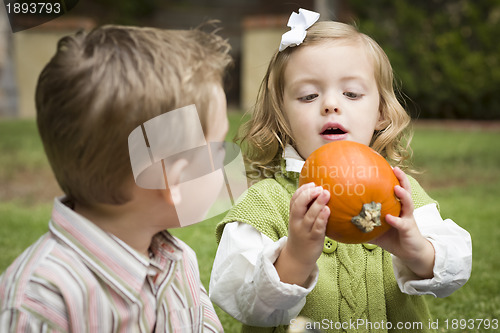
<point x="308" y="98"/>
<point x="351" y="95"/>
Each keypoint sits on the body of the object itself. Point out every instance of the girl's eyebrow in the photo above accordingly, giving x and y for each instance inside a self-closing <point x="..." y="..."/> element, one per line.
<point x="355" y="77"/>
<point x="301" y="81"/>
<point x="358" y="79"/>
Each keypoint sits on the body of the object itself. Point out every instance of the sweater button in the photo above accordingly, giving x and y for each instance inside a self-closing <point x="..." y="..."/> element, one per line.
<point x="330" y="245"/>
<point x="369" y="246"/>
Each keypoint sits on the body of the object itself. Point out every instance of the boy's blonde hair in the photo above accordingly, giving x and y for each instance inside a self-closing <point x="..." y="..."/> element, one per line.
<point x="265" y="135"/>
<point x="100" y="86"/>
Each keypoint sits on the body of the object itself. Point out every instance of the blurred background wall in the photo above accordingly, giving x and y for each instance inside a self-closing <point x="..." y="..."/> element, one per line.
<point x="445" y="53"/>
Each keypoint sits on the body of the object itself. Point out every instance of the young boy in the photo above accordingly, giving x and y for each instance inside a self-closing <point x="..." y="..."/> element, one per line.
<point x="107" y="263"/>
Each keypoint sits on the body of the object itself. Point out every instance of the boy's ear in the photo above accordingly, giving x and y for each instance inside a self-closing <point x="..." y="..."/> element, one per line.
<point x="174" y="178"/>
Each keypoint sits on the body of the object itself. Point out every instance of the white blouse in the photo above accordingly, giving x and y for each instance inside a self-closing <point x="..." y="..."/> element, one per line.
<point x="245" y="283"/>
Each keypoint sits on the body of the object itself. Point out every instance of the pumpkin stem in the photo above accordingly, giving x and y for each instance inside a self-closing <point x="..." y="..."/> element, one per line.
<point x="369" y="217"/>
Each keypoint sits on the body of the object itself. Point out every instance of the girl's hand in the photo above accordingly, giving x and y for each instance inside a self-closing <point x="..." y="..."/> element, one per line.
<point x="404" y="240"/>
<point x="306" y="233"/>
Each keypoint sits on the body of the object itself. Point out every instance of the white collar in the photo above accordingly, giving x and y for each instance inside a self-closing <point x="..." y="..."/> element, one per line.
<point x="293" y="161"/>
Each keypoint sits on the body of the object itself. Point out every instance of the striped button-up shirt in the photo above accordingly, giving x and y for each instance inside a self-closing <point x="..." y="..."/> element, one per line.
<point x="78" y="278"/>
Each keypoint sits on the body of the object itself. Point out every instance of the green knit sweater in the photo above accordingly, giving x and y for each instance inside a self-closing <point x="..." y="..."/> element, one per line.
<point x="356" y="289"/>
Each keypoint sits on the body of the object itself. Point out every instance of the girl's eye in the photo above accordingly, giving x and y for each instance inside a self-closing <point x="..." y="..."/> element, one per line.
<point x="352" y="95"/>
<point x="308" y="98"/>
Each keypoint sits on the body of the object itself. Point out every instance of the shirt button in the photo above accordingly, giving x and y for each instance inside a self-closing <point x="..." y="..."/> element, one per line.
<point x="369" y="246"/>
<point x="330" y="245"/>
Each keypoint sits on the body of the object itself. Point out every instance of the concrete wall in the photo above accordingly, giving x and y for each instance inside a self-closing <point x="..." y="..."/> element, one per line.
<point x="8" y="89"/>
<point x="33" y="48"/>
<point x="32" y="51"/>
<point x="261" y="39"/>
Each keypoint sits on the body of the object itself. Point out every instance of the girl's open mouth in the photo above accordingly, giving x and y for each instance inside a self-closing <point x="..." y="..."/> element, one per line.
<point x="332" y="132"/>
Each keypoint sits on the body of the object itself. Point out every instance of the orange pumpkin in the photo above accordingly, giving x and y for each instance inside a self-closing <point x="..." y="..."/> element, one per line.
<point x="361" y="183"/>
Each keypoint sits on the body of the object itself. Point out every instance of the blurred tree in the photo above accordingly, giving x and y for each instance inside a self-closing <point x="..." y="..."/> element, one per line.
<point x="445" y="52"/>
<point x="119" y="11"/>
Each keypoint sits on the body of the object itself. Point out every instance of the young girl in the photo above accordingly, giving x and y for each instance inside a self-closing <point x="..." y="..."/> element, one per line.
<point x="274" y="261"/>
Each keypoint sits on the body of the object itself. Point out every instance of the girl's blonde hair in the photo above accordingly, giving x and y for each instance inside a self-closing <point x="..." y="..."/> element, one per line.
<point x="267" y="132"/>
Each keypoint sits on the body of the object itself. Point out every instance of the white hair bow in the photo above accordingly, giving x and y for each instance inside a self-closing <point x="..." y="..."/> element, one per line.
<point x="298" y="24"/>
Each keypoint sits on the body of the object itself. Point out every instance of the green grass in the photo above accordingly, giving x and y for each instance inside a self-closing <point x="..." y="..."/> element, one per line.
<point x="452" y="157"/>
<point x="20" y="227"/>
<point x="19" y="142"/>
<point x="461" y="172"/>
<point x="475" y="207"/>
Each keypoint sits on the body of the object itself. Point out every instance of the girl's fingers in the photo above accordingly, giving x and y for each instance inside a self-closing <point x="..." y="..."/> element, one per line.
<point x="307" y="208"/>
<point x="316" y="208"/>
<point x="398" y="223"/>
<point x="403" y="192"/>
<point x="403" y="179"/>
<point x="392" y="220"/>
<point x="322" y="220"/>
<point x="300" y="190"/>
<point x="405" y="199"/>
<point x="299" y="206"/>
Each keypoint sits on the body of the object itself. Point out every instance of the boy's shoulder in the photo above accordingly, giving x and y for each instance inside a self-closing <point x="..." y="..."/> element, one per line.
<point x="37" y="277"/>
<point x="20" y="271"/>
